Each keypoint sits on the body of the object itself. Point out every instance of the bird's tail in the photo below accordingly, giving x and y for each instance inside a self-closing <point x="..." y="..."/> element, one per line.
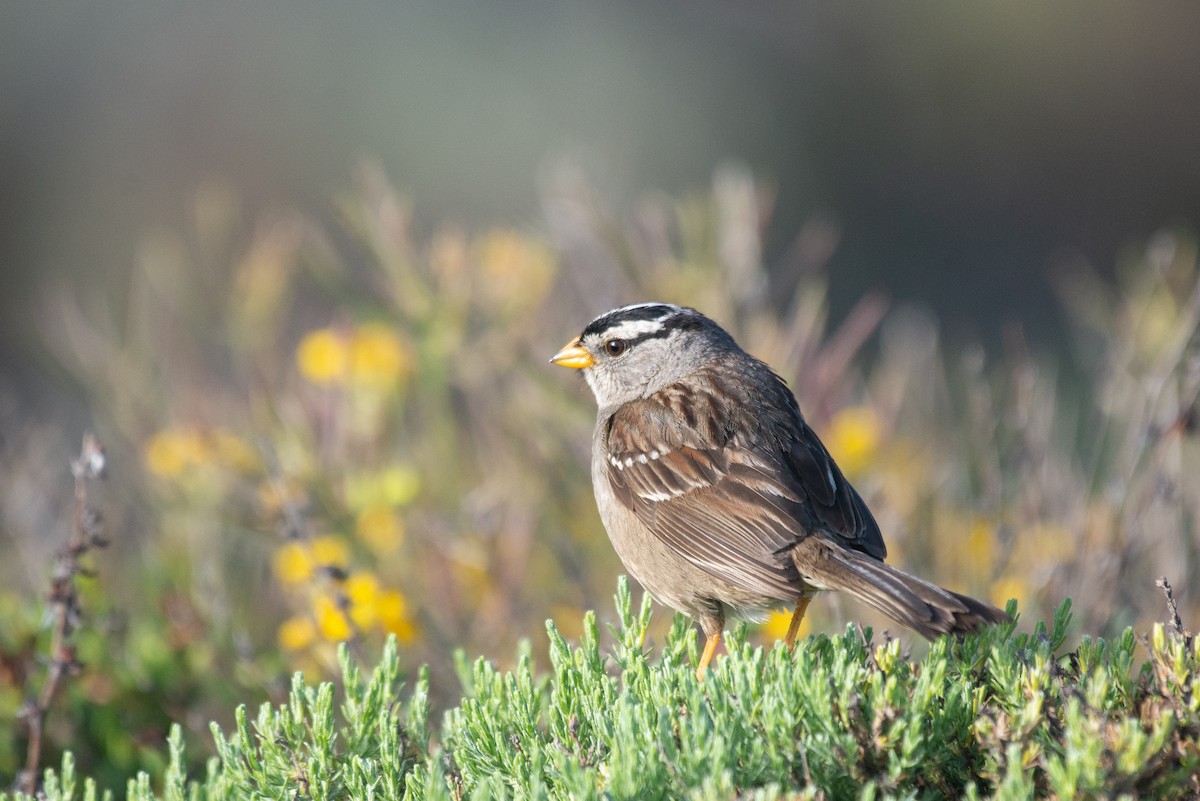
<point x="923" y="607"/>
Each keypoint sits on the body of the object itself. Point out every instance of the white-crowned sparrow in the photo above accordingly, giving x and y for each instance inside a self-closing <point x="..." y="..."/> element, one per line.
<point x="716" y="494"/>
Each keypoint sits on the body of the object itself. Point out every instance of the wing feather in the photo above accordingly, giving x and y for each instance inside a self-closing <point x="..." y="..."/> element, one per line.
<point x="734" y="500"/>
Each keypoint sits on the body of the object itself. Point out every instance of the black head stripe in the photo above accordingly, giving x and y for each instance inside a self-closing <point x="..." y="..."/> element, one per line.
<point x="661" y="333"/>
<point x="647" y="312"/>
<point x="646" y="321"/>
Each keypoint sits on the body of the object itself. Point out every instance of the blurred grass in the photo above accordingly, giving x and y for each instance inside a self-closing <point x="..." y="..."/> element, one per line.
<point x="343" y="429"/>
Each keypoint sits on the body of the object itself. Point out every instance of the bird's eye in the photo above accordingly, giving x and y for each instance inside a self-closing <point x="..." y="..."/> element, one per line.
<point x="615" y="347"/>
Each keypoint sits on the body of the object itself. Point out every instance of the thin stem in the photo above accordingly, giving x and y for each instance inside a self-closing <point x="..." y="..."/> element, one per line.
<point x="64" y="601"/>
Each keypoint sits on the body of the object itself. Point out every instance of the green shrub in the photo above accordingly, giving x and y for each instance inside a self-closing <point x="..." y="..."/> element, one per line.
<point x="336" y="425"/>
<point x="999" y="714"/>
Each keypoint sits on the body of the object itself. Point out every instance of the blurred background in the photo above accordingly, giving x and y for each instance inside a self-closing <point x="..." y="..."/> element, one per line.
<point x="300" y="265"/>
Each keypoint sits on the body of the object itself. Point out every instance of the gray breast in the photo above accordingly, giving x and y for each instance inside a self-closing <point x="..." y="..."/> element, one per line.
<point x="668" y="576"/>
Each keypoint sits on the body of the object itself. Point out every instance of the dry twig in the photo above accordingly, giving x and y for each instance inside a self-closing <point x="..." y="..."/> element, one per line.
<point x="1173" y="608"/>
<point x="86" y="535"/>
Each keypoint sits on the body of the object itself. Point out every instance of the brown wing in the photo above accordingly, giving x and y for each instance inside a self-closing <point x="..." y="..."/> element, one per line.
<point x="733" y="498"/>
<point x="838" y="511"/>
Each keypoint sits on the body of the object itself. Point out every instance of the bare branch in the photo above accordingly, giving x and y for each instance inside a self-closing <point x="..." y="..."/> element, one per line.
<point x="86" y="535"/>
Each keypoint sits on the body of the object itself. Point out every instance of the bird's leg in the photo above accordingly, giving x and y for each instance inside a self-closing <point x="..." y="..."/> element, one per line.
<point x="797" y="617"/>
<point x="712" y="627"/>
<point x="710" y="648"/>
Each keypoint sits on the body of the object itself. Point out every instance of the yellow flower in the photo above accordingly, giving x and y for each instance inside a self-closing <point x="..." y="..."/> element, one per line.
<point x="380" y="529"/>
<point x="981" y="545"/>
<point x="1043" y="544"/>
<point x="362" y="590"/>
<point x="298" y="562"/>
<point x="1007" y="587"/>
<point x="853" y="438"/>
<point x="394" y="617"/>
<point x="294" y="563"/>
<point x="331" y="622"/>
<point x="378" y="357"/>
<point x="330" y="551"/>
<point x="393" y="486"/>
<point x="399" y="485"/>
<point x="296" y="633"/>
<point x="171" y="451"/>
<point x="775" y="627"/>
<point x="322" y="356"/>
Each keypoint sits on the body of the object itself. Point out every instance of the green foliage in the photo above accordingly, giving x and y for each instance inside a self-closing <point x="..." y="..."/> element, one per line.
<point x="300" y="747"/>
<point x="999" y="715"/>
<point x="328" y="428"/>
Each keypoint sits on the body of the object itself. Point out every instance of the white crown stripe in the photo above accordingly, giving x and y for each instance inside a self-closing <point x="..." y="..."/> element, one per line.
<point x="631" y="329"/>
<point x="639" y="312"/>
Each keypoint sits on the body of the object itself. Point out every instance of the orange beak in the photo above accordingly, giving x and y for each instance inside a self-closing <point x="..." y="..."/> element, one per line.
<point x="573" y="355"/>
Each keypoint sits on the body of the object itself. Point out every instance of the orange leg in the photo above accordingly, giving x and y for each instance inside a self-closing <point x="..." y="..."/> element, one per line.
<point x="710" y="648"/>
<point x="797" y="617"/>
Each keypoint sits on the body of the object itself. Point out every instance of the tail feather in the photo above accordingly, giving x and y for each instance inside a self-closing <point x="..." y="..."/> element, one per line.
<point x="923" y="607"/>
